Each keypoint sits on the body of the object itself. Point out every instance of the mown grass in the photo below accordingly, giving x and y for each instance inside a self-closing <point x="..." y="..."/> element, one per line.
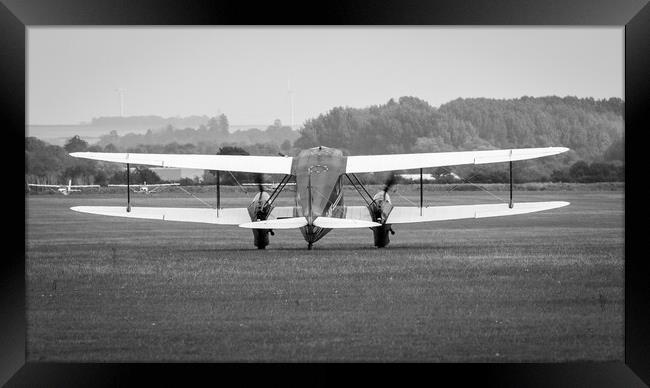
<point x="540" y="287"/>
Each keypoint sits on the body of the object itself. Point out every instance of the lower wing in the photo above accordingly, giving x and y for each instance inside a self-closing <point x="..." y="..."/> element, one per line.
<point x="404" y="215"/>
<point x="284" y="217"/>
<point x="232" y="216"/>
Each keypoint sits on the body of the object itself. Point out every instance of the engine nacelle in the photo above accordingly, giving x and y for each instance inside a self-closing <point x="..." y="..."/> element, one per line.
<point x="381" y="207"/>
<point x="258" y="209"/>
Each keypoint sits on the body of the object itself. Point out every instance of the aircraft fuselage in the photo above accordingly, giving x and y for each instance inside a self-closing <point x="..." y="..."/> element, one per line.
<point x="318" y="174"/>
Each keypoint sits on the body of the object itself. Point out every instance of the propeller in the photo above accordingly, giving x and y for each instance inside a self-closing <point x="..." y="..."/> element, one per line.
<point x="259" y="179"/>
<point x="390" y="182"/>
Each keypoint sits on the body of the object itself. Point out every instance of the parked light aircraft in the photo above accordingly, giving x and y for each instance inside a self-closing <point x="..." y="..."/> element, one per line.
<point x="145" y="188"/>
<point x="319" y="206"/>
<point x="63" y="189"/>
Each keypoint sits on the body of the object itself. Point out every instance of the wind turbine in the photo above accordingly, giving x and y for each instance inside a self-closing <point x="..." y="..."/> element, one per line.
<point x="121" y="92"/>
<point x="291" y="93"/>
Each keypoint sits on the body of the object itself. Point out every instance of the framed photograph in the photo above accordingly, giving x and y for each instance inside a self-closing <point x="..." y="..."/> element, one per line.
<point x="441" y="184"/>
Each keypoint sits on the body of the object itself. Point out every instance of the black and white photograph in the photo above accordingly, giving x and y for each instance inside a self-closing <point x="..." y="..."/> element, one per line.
<point x="325" y="194"/>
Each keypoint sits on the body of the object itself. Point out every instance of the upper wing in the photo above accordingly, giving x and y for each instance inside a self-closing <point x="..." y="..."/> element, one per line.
<point x="243" y="163"/>
<point x="76" y="186"/>
<point x="403" y="215"/>
<point x="376" y="163"/>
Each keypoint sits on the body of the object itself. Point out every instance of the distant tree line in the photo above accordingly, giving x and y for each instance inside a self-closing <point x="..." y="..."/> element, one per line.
<point x="148" y="121"/>
<point x="52" y="164"/>
<point x="592" y="129"/>
<point x="206" y="138"/>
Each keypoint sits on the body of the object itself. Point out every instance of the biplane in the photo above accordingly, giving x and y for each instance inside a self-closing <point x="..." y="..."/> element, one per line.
<point x="319" y="174"/>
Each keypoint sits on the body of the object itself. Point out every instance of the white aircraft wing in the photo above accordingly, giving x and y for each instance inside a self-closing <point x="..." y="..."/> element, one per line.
<point x="200" y="215"/>
<point x="81" y="186"/>
<point x="342" y="223"/>
<point x="377" y="163"/>
<point x="243" y="163"/>
<point x="231" y="216"/>
<point x="298" y="222"/>
<point x="404" y="215"/>
<point x="283" y="223"/>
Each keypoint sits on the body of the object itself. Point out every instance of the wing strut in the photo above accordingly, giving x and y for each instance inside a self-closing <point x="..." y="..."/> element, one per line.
<point x="218" y="192"/>
<point x="421" y="196"/>
<point x="128" y="188"/>
<point x="276" y="192"/>
<point x="510" y="204"/>
<point x="368" y="200"/>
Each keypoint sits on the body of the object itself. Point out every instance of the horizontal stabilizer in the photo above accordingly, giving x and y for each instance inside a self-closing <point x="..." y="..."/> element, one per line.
<point x="342" y="223"/>
<point x="200" y="215"/>
<point x="403" y="215"/>
<point x="283" y="223"/>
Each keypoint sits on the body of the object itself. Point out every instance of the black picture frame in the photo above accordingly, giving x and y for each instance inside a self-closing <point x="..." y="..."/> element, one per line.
<point x="16" y="15"/>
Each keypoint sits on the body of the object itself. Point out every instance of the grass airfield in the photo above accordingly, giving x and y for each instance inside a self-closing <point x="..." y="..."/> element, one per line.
<point x="538" y="287"/>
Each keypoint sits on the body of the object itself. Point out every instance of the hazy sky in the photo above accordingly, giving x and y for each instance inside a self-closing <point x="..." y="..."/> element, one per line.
<point x="243" y="72"/>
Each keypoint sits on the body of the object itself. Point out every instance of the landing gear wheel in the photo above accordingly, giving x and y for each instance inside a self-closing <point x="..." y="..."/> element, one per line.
<point x="382" y="235"/>
<point x="261" y="238"/>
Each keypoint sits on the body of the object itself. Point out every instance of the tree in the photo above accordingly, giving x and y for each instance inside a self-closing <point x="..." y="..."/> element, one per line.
<point x="285" y="146"/>
<point x="234" y="177"/>
<point x="186" y="182"/>
<point x="146" y="175"/>
<point x="218" y="128"/>
<point x="75" y="144"/>
<point x="616" y="151"/>
<point x="101" y="178"/>
<point x="579" y="171"/>
<point x="110" y="147"/>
